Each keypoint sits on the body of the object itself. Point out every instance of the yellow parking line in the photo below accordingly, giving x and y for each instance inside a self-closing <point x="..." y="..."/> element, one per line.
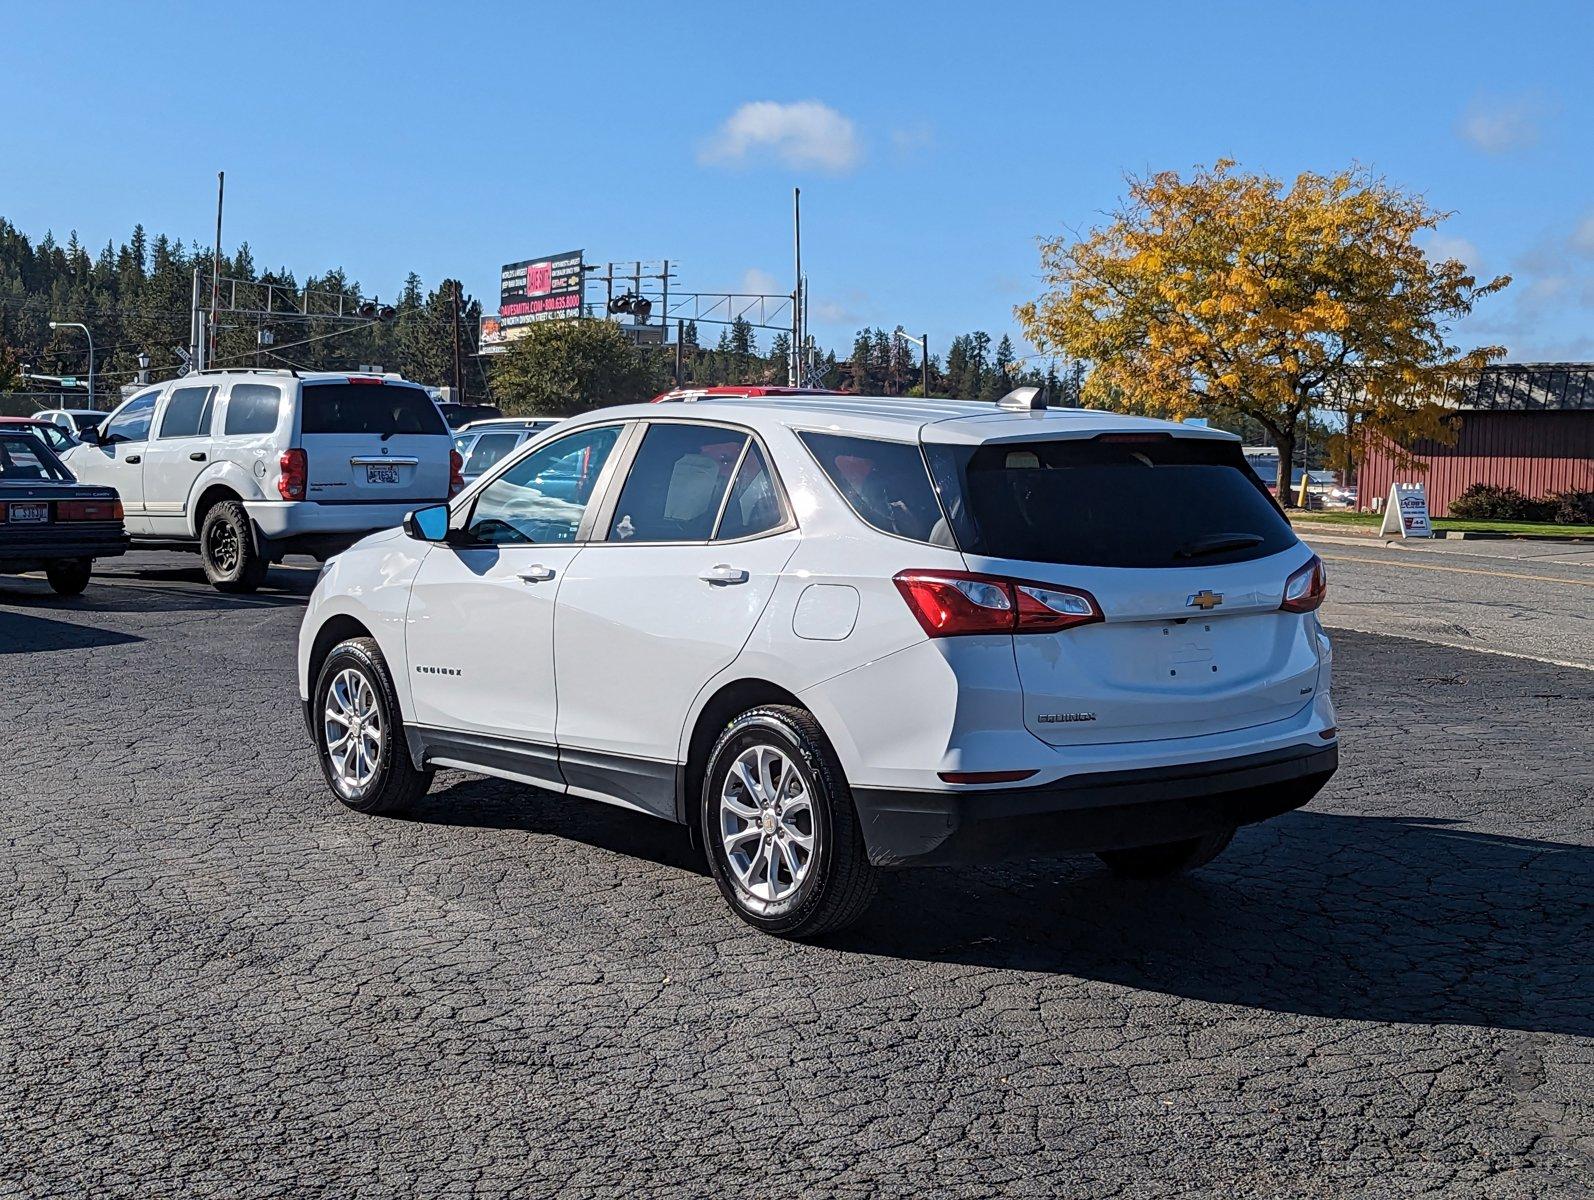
<point x="1416" y="566"/>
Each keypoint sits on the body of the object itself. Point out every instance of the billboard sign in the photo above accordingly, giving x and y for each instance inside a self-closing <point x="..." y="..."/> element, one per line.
<point x="540" y="289"/>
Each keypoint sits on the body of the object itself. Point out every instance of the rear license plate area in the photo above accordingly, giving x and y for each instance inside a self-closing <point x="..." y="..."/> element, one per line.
<point x="381" y="475"/>
<point x="28" y="514"/>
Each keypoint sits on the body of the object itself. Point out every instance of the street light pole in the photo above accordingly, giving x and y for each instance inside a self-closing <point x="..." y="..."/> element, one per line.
<point x="923" y="343"/>
<point x="90" y="336"/>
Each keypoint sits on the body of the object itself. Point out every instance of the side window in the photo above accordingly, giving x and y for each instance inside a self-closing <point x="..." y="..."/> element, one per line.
<point x="754" y="504"/>
<point x="676" y="483"/>
<point x="489" y="448"/>
<point x="252" y="408"/>
<point x="131" y="422"/>
<point x="542" y="497"/>
<point x="187" y="413"/>
<point x="885" y="483"/>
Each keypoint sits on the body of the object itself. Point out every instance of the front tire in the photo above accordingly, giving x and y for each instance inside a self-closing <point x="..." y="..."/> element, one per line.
<point x="359" y="732"/>
<point x="69" y="576"/>
<point x="1167" y="859"/>
<point x="227" y="548"/>
<point x="780" y="828"/>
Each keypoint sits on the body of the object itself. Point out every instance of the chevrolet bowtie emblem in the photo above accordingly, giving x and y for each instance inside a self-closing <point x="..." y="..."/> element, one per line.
<point x="1205" y="600"/>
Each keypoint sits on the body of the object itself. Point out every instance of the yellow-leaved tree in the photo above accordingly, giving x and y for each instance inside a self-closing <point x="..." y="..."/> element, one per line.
<point x="1229" y="293"/>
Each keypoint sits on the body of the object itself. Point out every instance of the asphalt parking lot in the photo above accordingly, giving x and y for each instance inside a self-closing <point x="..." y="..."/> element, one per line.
<point x="219" y="982"/>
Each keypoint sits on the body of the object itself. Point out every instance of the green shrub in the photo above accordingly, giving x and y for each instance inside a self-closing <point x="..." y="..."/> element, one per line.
<point x="1485" y="502"/>
<point x="1571" y="508"/>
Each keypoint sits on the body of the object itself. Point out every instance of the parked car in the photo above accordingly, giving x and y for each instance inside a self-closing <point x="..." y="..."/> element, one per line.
<point x="53" y="435"/>
<point x="73" y="420"/>
<point x="249" y="466"/>
<point x="483" y="443"/>
<point x="834" y="635"/>
<point x="49" y="521"/>
<point x="721" y="391"/>
<point x="460" y="415"/>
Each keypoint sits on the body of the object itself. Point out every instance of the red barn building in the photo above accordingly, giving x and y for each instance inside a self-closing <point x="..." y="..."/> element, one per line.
<point x="1524" y="425"/>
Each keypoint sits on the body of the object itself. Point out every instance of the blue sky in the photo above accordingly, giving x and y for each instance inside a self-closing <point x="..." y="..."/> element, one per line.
<point x="933" y="142"/>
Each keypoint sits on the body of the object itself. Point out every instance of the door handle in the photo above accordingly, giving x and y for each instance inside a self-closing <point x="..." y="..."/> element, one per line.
<point x="722" y="574"/>
<point x="133" y="458"/>
<point x="536" y="574"/>
<point x="198" y="456"/>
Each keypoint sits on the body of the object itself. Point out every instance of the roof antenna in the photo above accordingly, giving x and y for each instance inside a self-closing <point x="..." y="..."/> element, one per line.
<point x="1024" y="399"/>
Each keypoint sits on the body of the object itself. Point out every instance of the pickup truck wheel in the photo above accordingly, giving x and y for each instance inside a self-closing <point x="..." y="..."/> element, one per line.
<point x="69" y="576"/>
<point x="227" y="548"/>
<point x="1168" y="859"/>
<point x="359" y="734"/>
<point x="779" y="824"/>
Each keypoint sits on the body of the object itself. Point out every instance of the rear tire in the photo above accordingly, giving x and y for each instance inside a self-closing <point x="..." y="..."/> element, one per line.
<point x="1168" y="859"/>
<point x="227" y="548"/>
<point x="780" y="829"/>
<point x="354" y="698"/>
<point x="69" y="576"/>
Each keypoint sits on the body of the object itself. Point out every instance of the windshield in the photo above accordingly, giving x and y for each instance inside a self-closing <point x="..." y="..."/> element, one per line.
<point x="384" y="409"/>
<point x="25" y="459"/>
<point x="1130" y="500"/>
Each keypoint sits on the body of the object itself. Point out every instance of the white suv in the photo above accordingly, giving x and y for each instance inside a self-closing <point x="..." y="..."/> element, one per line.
<point x="247" y="466"/>
<point x="834" y="634"/>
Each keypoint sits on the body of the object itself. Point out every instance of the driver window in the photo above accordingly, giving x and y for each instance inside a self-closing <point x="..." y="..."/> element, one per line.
<point x="131" y="422"/>
<point x="542" y="497"/>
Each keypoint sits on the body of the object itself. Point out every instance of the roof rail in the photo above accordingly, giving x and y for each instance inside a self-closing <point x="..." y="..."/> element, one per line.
<point x="246" y="371"/>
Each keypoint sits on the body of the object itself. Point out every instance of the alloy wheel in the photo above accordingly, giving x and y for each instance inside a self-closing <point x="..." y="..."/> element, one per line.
<point x="767" y="824"/>
<point x="352" y="729"/>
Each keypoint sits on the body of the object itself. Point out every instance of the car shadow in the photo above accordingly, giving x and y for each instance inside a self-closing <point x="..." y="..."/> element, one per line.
<point x="157" y="589"/>
<point x="1405" y="919"/>
<point x="24" y="633"/>
<point x="1351" y="917"/>
<point x="494" y="804"/>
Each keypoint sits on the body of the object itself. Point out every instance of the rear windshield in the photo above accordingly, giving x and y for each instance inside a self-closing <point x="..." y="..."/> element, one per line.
<point x="369" y="408"/>
<point x="25" y="459"/>
<point x="1133" y="501"/>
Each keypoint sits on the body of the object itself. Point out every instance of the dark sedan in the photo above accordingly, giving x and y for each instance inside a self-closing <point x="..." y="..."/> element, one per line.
<point x="48" y="520"/>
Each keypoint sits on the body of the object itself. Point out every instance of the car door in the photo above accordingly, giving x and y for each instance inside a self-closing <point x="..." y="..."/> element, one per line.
<point x="692" y="547"/>
<point x="480" y="626"/>
<point x="116" y="458"/>
<point x="177" y="451"/>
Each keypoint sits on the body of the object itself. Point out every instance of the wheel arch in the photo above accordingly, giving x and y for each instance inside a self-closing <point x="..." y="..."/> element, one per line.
<point x="722" y="706"/>
<point x="339" y="627"/>
<point x="218" y="482"/>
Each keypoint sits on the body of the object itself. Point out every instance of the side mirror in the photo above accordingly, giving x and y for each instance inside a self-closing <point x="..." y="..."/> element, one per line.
<point x="89" y="435"/>
<point x="428" y="524"/>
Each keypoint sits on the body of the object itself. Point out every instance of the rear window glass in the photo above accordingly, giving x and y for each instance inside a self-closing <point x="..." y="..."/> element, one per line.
<point x="674" y="490"/>
<point x="884" y="482"/>
<point x="1147" y="502"/>
<point x="187" y="412"/>
<point x="368" y="408"/>
<point x="23" y="459"/>
<point x="252" y="408"/>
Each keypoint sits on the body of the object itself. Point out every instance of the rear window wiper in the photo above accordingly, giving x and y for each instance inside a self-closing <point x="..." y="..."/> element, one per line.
<point x="1217" y="543"/>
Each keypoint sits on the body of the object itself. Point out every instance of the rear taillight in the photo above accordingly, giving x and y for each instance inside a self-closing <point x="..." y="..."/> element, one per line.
<point x="1305" y="589"/>
<point x="295" y="469"/>
<point x="951" y="603"/>
<point x="88" y="510"/>
<point x="456" y="474"/>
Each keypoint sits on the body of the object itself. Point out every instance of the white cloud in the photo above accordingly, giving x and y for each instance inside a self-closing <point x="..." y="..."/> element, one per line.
<point x="1583" y="235"/>
<point x="761" y="283"/>
<point x="803" y="134"/>
<point x="1500" y="125"/>
<point x="1442" y="246"/>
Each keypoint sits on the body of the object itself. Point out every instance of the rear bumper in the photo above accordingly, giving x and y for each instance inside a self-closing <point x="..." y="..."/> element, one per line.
<point x="1098" y="811"/>
<point x="26" y="554"/>
<point x="279" y="520"/>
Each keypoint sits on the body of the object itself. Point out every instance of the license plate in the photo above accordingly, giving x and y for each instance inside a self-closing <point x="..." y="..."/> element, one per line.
<point x="29" y="514"/>
<point x="381" y="475"/>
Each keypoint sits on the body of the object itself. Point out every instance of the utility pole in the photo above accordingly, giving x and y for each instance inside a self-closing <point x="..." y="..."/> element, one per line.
<point x="924" y="365"/>
<point x="459" y="374"/>
<point x="680" y="335"/>
<point x="215" y="266"/>
<point x="797" y="289"/>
